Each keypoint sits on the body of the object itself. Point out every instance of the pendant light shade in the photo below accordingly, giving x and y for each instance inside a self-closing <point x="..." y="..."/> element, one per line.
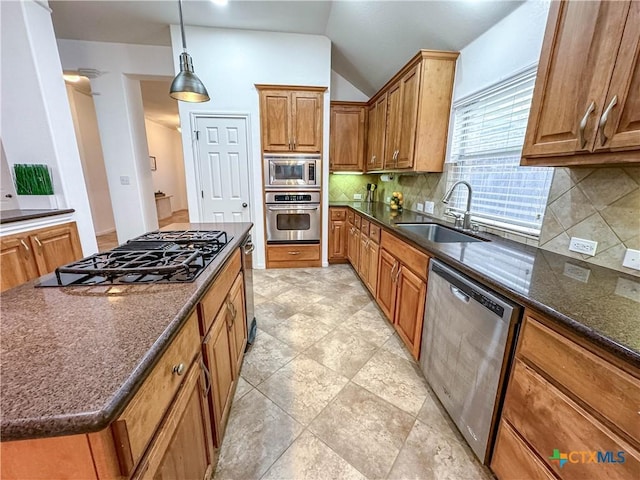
<point x="187" y="87"/>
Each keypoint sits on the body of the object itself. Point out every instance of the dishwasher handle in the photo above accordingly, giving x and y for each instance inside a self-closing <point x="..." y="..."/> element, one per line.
<point x="459" y="294"/>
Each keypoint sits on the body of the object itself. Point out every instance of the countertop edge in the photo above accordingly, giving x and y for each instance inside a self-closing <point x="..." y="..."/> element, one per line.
<point x="621" y="351"/>
<point x="94" y="421"/>
<point x="33" y="216"/>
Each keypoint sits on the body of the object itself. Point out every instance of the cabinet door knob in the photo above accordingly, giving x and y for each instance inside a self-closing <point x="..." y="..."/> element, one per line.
<point x="178" y="369"/>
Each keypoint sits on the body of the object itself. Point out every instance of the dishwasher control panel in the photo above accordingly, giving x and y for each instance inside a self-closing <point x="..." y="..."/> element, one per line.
<point x="488" y="303"/>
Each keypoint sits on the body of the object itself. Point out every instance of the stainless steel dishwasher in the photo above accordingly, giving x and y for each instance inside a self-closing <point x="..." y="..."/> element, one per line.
<point x="466" y="346"/>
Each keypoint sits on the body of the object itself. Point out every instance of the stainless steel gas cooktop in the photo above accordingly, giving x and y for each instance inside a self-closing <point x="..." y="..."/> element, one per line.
<point x="155" y="257"/>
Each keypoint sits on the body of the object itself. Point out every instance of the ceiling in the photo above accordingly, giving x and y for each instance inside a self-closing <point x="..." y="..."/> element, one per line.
<point x="371" y="40"/>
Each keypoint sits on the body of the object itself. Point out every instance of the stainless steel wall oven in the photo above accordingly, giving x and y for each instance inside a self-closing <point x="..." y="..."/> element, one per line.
<point x="293" y="217"/>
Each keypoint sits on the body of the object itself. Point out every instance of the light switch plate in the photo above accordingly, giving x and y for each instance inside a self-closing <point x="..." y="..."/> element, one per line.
<point x="419" y="207"/>
<point x="357" y="196"/>
<point x="581" y="245"/>
<point x="124" y="180"/>
<point x="632" y="259"/>
<point x="429" y="207"/>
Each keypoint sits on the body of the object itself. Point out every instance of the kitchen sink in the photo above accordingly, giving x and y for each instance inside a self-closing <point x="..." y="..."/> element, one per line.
<point x="437" y="233"/>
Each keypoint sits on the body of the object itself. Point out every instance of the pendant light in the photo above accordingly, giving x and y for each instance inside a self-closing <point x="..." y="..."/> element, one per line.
<point x="187" y="87"/>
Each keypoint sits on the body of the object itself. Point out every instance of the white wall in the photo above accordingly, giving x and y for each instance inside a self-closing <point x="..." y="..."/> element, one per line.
<point x="230" y="63"/>
<point x="343" y="90"/>
<point x="166" y="145"/>
<point x="36" y="118"/>
<point x="511" y="45"/>
<point x="121" y="121"/>
<point x="95" y="175"/>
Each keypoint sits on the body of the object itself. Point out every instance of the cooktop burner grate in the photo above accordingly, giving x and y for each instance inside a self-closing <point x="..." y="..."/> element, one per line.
<point x="155" y="257"/>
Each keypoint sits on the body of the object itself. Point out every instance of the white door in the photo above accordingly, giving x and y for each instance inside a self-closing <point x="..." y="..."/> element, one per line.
<point x="224" y="169"/>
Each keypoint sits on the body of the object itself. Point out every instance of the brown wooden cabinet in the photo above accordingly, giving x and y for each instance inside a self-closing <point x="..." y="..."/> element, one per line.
<point x="586" y="102"/>
<point x="338" y="235"/>
<point x="414" y="129"/>
<point x="566" y="394"/>
<point x="28" y="255"/>
<point x="377" y="118"/>
<point x="183" y="446"/>
<point x="291" y="118"/>
<point x="223" y="325"/>
<point x="402" y="288"/>
<point x="353" y="239"/>
<point x="347" y="135"/>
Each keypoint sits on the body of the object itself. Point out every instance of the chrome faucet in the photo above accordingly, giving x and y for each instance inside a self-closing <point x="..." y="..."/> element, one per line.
<point x="466" y="224"/>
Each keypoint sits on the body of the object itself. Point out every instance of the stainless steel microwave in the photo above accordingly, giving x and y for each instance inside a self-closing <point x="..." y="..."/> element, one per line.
<point x="292" y="171"/>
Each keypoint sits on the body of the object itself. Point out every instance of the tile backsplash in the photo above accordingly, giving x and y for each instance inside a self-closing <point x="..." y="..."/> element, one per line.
<point x="600" y="204"/>
<point x="342" y="187"/>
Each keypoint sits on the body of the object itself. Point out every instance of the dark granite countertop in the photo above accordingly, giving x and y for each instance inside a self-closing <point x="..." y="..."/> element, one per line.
<point x="10" y="216"/>
<point x="73" y="357"/>
<point x="598" y="303"/>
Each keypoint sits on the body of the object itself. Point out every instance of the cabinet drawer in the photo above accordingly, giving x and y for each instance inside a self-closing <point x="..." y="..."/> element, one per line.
<point x="135" y="427"/>
<point x="357" y="220"/>
<point x="514" y="460"/>
<point x="351" y="216"/>
<point x="611" y="392"/>
<point x="364" y="226"/>
<point x="413" y="259"/>
<point x="288" y="253"/>
<point x="338" y="213"/>
<point x="549" y="420"/>
<point x="212" y="300"/>
<point x="374" y="233"/>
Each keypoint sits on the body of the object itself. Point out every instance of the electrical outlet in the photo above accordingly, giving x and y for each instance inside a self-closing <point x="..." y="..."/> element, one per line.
<point x="357" y="196"/>
<point x="388" y="200"/>
<point x="632" y="259"/>
<point x="580" y="245"/>
<point x="429" y="207"/>
<point x="419" y="207"/>
<point x="124" y="180"/>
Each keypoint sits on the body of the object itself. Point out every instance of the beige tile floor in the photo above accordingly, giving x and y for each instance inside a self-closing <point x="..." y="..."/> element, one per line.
<point x="328" y="391"/>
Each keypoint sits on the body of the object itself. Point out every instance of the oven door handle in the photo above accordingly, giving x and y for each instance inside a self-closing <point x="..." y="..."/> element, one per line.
<point x="280" y="209"/>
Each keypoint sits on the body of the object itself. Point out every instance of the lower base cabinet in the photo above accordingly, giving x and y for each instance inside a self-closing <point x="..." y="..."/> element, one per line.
<point x="294" y="255"/>
<point x="402" y="289"/>
<point x="183" y="447"/>
<point x="570" y="410"/>
<point x="29" y="255"/>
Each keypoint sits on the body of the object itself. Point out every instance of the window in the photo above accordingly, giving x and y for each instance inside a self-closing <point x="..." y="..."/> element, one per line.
<point x="488" y="135"/>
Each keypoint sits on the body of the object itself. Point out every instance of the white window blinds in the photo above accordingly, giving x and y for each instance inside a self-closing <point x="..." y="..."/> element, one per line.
<point x="488" y="135"/>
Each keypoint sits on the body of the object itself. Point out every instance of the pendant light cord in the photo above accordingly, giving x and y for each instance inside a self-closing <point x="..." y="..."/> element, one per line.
<point x="184" y="40"/>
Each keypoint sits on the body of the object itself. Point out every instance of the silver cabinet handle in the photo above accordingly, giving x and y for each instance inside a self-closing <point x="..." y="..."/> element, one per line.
<point x="207" y="376"/>
<point x="294" y="143"/>
<point x="26" y="247"/>
<point x="293" y="253"/>
<point x="395" y="280"/>
<point x="37" y="241"/>
<point x="178" y="369"/>
<point x="603" y="119"/>
<point x="583" y="124"/>
<point x="393" y="270"/>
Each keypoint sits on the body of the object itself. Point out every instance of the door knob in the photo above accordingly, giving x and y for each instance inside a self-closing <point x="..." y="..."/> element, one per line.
<point x="244" y="205"/>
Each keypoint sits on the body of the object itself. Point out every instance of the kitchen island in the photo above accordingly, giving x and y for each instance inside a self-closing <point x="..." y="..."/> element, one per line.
<point x="73" y="358"/>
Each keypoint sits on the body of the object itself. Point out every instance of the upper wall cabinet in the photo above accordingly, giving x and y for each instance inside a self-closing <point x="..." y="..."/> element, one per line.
<point x="586" y="102"/>
<point x="346" y="140"/>
<point x="291" y="118"/>
<point x="410" y="128"/>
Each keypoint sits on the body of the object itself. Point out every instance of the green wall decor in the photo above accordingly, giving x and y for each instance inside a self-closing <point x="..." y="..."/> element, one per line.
<point x="32" y="179"/>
